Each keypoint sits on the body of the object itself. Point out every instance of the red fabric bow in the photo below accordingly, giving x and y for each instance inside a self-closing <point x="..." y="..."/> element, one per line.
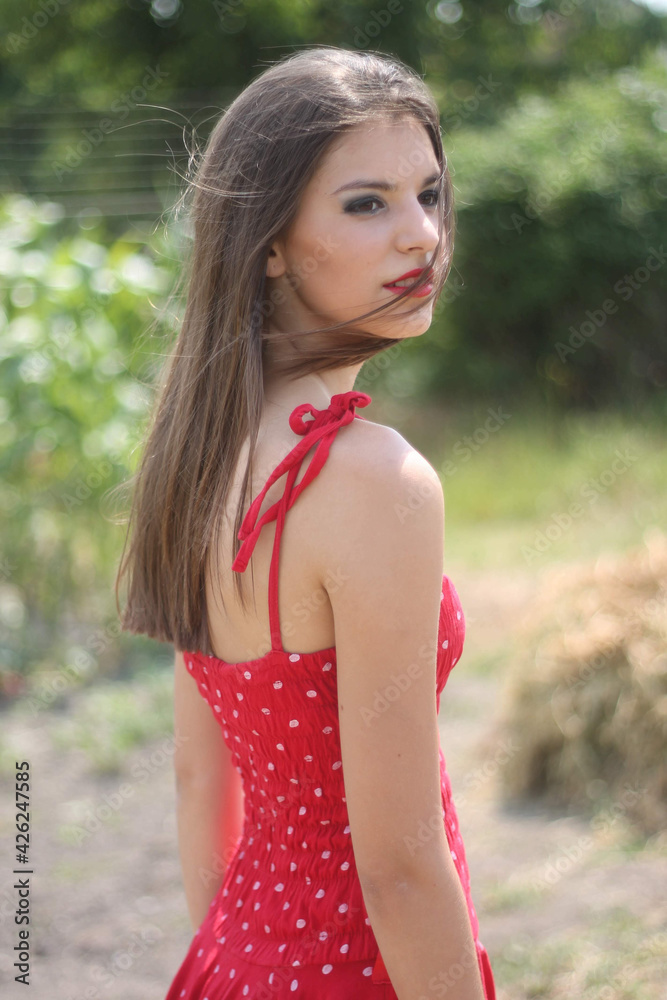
<point x="322" y="430"/>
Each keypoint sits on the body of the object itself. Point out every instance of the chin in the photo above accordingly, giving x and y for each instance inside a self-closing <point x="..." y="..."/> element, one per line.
<point x="409" y="326"/>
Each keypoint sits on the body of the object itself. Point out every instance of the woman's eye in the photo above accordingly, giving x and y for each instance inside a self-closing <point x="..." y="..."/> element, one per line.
<point x="356" y="207"/>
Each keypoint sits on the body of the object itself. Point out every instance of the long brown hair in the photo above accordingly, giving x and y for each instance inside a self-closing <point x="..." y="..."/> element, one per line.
<point x="260" y="156"/>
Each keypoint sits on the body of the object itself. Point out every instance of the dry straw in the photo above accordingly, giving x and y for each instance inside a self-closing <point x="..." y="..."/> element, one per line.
<point x="587" y="693"/>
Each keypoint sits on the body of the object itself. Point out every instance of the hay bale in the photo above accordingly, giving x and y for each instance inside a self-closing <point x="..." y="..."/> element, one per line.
<point x="586" y="697"/>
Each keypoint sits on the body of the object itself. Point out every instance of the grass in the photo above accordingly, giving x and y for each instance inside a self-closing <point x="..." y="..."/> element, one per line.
<point x="614" y="960"/>
<point x="506" y="896"/>
<point x="508" y="499"/>
<point x="110" y="719"/>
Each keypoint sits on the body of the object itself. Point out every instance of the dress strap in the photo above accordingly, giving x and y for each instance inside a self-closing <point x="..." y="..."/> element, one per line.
<point x="320" y="431"/>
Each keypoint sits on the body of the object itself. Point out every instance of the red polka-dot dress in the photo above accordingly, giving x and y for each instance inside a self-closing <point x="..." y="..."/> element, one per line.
<point x="289" y="918"/>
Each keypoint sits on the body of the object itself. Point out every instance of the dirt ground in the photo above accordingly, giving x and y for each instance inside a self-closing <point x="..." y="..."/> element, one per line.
<point x="109" y="919"/>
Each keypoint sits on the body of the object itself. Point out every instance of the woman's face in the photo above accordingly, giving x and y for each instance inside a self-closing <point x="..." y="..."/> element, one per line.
<point x="352" y="237"/>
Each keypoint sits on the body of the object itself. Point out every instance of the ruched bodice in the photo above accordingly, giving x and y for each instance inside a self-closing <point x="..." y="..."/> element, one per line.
<point x="291" y="896"/>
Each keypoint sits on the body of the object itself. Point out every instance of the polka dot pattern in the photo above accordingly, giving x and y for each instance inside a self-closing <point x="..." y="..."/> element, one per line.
<point x="289" y="918"/>
<point x="291" y="895"/>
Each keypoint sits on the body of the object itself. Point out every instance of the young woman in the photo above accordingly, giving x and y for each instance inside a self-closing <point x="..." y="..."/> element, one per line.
<point x="319" y="843"/>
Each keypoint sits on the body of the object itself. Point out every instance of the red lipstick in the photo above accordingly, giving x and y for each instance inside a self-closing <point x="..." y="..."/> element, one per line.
<point x="415" y="273"/>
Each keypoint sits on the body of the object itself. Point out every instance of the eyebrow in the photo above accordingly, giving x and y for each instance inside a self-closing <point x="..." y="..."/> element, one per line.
<point x="381" y="185"/>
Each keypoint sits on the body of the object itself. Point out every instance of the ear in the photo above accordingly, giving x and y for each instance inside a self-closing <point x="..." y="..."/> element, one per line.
<point x="275" y="265"/>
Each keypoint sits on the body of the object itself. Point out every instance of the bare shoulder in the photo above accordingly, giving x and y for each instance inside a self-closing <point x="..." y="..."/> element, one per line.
<point x="374" y="477"/>
<point x="376" y="449"/>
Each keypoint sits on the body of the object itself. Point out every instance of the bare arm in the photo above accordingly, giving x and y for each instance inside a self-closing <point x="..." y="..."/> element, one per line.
<point x="209" y="795"/>
<point x="386" y="517"/>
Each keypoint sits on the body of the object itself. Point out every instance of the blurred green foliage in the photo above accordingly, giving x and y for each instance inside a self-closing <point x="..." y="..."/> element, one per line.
<point x="560" y="272"/>
<point x="75" y="370"/>
<point x="554" y="121"/>
<point x="93" y="52"/>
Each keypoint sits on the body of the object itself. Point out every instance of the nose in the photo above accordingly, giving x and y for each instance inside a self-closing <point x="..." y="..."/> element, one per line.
<point x="418" y="227"/>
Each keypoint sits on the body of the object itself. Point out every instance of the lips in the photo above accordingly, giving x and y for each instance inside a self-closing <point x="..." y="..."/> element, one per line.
<point x="415" y="273"/>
